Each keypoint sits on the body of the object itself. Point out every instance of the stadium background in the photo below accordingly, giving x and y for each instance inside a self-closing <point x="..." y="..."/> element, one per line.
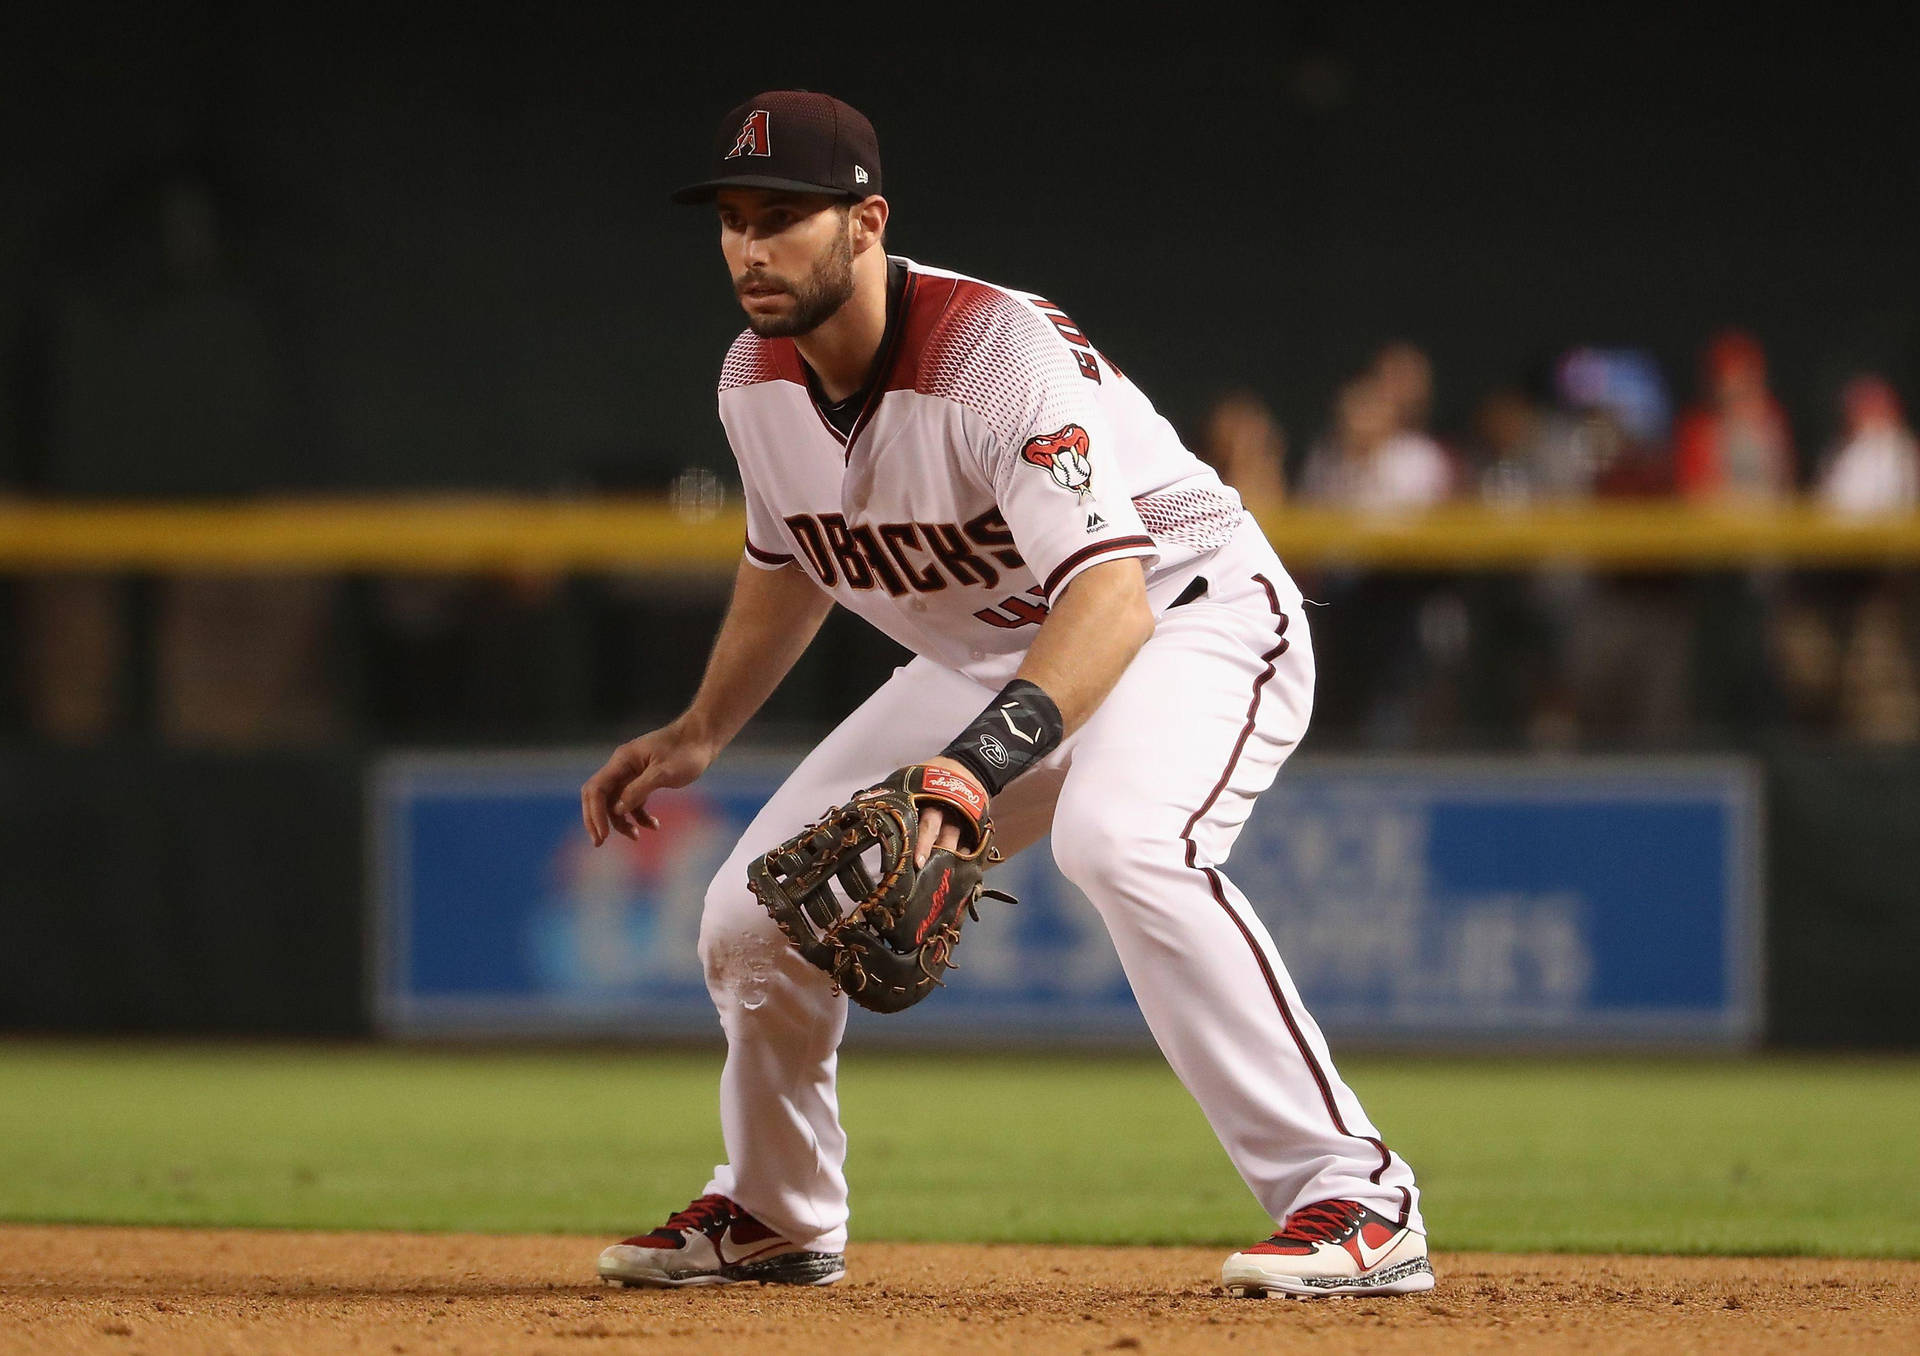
<point x="409" y="286"/>
<point x="357" y="438"/>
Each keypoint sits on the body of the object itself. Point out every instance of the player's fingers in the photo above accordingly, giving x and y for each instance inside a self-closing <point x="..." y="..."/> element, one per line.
<point x="631" y="807"/>
<point x="596" y="795"/>
<point x="593" y="810"/>
<point x="950" y="836"/>
<point x="931" y="822"/>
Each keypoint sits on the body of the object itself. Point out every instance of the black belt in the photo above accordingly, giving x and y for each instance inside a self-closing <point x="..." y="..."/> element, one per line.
<point x="1197" y="589"/>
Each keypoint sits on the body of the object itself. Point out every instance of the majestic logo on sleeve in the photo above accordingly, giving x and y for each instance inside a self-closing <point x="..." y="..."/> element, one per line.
<point x="756" y="137"/>
<point x="1064" y="456"/>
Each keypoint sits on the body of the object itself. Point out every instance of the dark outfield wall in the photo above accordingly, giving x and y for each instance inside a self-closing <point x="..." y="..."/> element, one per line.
<point x="242" y="246"/>
<point x="180" y="893"/>
<point x="1843" y="866"/>
<point x="166" y="893"/>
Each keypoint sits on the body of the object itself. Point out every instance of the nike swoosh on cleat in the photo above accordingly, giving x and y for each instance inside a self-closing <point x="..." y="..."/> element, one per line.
<point x="1368" y="1258"/>
<point x="771" y="1245"/>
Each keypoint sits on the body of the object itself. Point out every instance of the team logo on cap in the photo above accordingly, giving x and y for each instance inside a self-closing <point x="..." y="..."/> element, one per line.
<point x="1063" y="456"/>
<point x="755" y="137"/>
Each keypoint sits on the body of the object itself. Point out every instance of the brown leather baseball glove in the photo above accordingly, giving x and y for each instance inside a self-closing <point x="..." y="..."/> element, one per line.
<point x="846" y="893"/>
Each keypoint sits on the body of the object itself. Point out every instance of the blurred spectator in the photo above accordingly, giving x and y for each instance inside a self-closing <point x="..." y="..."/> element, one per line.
<point x="1396" y="679"/>
<point x="1876" y="470"/>
<point x="1405" y="376"/>
<point x="1563" y="655"/>
<point x="1735" y="445"/>
<point x="1525" y="452"/>
<point x="1844" y="644"/>
<point x="1617" y="402"/>
<point x="1624" y="383"/>
<point x="1374" y="461"/>
<point x="1245" y="444"/>
<point x="1528" y="452"/>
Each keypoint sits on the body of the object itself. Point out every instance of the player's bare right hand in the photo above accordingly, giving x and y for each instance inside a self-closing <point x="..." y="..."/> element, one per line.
<point x="937" y="828"/>
<point x="614" y="799"/>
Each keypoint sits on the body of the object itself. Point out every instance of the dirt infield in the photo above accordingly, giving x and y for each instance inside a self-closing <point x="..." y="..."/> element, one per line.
<point x="156" y="1291"/>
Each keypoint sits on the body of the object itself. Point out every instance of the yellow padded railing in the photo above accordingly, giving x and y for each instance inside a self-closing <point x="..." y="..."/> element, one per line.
<point x="421" y="535"/>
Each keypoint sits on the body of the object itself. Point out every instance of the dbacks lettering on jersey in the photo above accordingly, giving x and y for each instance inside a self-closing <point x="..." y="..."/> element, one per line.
<point x="1066" y="456"/>
<point x="756" y="135"/>
<point x="883" y="556"/>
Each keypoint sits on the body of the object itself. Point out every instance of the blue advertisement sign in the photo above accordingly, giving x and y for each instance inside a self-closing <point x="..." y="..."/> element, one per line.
<point x="1411" y="899"/>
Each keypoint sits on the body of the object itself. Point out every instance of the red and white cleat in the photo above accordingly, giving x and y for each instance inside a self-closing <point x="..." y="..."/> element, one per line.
<point x="1332" y="1248"/>
<point x="715" y="1242"/>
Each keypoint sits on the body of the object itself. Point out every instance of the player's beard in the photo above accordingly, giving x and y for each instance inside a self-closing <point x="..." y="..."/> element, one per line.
<point x="825" y="289"/>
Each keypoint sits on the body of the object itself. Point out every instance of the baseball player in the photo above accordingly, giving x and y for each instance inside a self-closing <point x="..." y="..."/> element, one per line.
<point x="1107" y="651"/>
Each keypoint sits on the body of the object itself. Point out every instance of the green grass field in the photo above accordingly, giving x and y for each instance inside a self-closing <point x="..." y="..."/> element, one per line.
<point x="1641" y="1155"/>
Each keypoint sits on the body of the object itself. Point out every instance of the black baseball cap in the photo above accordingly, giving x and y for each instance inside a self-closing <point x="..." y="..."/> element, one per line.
<point x="796" y="140"/>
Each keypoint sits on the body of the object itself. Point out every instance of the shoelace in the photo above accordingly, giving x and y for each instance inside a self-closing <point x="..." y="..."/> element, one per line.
<point x="1321" y="1222"/>
<point x="701" y="1215"/>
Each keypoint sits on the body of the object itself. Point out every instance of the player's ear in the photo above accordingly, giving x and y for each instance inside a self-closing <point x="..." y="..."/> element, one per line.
<point x="868" y="221"/>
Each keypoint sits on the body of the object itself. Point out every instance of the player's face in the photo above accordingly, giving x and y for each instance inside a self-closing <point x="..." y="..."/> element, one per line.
<point x="791" y="257"/>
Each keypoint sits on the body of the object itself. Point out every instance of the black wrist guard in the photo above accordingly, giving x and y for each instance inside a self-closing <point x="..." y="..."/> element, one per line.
<point x="1019" y="728"/>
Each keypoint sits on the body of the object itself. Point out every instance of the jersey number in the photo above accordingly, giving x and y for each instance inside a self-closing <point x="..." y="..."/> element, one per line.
<point x="1012" y="612"/>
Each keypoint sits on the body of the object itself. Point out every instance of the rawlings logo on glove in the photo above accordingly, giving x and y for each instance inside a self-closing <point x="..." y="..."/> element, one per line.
<point x="955" y="790"/>
<point x="885" y="940"/>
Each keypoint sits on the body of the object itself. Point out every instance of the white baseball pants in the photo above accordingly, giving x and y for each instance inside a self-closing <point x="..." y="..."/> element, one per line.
<point x="1144" y="803"/>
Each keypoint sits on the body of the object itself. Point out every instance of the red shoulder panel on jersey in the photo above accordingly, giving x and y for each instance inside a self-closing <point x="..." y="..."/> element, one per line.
<point x="753" y="360"/>
<point x="951" y="337"/>
<point x="929" y="303"/>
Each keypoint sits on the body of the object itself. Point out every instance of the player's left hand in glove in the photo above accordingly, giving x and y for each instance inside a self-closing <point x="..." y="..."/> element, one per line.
<point x="847" y="892"/>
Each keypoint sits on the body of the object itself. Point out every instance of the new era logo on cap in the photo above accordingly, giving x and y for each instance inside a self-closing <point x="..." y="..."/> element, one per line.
<point x="756" y="135"/>
<point x="824" y="146"/>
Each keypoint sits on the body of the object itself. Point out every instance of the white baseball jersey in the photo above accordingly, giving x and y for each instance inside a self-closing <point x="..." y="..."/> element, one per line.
<point x="999" y="454"/>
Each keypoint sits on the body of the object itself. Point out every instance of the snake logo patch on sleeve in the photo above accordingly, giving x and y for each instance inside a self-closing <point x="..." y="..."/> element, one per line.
<point x="1066" y="456"/>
